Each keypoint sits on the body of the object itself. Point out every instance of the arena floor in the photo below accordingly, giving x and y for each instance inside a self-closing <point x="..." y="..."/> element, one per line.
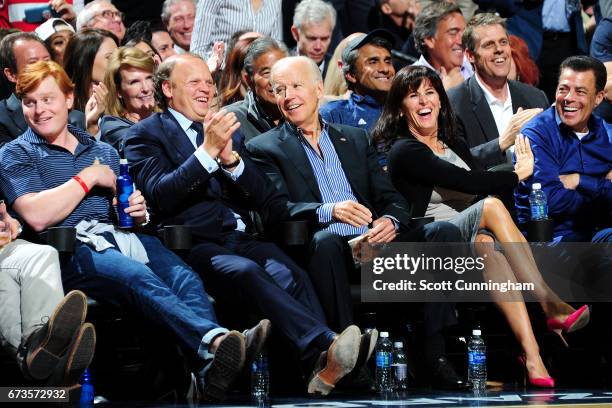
<point x="506" y="398"/>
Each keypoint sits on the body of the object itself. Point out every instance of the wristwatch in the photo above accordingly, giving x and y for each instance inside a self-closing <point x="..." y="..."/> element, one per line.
<point x="232" y="164"/>
<point x="147" y="219"/>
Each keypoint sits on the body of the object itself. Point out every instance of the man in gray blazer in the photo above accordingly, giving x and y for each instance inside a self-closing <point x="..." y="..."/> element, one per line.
<point x="490" y="108"/>
<point x="257" y="112"/>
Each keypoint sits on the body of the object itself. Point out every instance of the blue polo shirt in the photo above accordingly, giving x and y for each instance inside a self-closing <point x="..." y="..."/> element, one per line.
<point x="29" y="164"/>
<point x="357" y="111"/>
<point x="558" y="150"/>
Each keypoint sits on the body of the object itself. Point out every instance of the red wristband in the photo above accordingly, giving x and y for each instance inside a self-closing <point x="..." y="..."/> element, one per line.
<point x="82" y="183"/>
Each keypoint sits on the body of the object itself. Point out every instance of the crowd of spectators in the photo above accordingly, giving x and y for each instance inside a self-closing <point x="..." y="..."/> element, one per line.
<point x="236" y="117"/>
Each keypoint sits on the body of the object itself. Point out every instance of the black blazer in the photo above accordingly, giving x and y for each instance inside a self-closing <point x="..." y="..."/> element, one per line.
<point x="113" y="130"/>
<point x="177" y="187"/>
<point x="13" y="124"/>
<point x="281" y="156"/>
<point x="475" y="122"/>
<point x="415" y="170"/>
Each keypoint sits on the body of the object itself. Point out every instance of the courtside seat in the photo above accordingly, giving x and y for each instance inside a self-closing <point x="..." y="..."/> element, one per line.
<point x="133" y="360"/>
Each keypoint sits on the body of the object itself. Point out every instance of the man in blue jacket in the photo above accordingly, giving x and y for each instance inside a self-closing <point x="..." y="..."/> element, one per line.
<point x="573" y="151"/>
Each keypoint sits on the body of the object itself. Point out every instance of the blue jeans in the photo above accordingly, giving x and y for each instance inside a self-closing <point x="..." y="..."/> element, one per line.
<point x="605" y="235"/>
<point x="165" y="290"/>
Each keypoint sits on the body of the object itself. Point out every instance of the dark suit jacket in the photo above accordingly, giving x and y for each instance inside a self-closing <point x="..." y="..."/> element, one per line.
<point x="415" y="170"/>
<point x="179" y="190"/>
<point x="475" y="120"/>
<point x="253" y="121"/>
<point x="113" y="130"/>
<point x="13" y="124"/>
<point x="280" y="154"/>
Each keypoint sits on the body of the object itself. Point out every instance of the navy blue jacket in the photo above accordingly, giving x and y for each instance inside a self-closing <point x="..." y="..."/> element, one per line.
<point x="177" y="187"/>
<point x="558" y="151"/>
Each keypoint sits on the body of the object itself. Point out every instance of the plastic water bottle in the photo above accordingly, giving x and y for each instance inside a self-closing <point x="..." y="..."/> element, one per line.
<point x="384" y="359"/>
<point x="400" y="367"/>
<point x="477" y="362"/>
<point x="260" y="378"/>
<point x="538" y="203"/>
<point x="125" y="187"/>
<point x="87" y="389"/>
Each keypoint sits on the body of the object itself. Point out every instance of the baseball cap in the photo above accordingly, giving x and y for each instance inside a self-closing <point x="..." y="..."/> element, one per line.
<point x="52" y="26"/>
<point x="364" y="39"/>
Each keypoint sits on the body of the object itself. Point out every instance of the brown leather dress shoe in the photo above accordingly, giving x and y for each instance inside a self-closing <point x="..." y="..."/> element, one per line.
<point x="255" y="339"/>
<point x="46" y="345"/>
<point x="341" y="359"/>
<point x="78" y="357"/>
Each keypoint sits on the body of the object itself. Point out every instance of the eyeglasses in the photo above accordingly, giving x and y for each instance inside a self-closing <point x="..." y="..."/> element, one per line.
<point x="110" y="14"/>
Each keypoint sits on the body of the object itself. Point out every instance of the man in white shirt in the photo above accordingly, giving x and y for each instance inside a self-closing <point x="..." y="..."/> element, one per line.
<point x="491" y="109"/>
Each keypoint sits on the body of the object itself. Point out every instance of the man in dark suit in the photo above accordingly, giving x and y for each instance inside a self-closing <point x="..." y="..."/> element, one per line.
<point x="16" y="51"/>
<point x="491" y="109"/>
<point x="553" y="31"/>
<point x="334" y="168"/>
<point x="172" y="160"/>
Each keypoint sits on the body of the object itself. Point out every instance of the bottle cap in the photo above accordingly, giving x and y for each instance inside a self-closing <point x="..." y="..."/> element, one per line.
<point x="123" y="161"/>
<point x="476" y="332"/>
<point x="384" y="334"/>
<point x="398" y="344"/>
<point x="536" y="186"/>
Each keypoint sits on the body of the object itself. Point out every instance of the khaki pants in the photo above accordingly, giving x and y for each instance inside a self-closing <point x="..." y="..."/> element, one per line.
<point x="30" y="290"/>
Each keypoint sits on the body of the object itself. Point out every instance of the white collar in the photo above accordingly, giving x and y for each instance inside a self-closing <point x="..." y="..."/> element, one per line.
<point x="491" y="99"/>
<point x="183" y="121"/>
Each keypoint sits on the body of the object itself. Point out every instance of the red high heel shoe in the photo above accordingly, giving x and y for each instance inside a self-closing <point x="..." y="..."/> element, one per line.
<point x="573" y="322"/>
<point x="540" y="382"/>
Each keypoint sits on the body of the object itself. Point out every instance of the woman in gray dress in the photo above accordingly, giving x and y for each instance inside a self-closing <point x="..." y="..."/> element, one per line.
<point x="436" y="173"/>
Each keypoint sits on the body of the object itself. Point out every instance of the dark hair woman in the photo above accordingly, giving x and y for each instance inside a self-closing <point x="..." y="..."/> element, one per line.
<point x="231" y="86"/>
<point x="85" y="63"/>
<point x="435" y="171"/>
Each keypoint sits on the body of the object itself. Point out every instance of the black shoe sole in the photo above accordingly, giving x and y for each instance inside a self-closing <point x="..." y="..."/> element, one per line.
<point x="63" y="323"/>
<point x="225" y="367"/>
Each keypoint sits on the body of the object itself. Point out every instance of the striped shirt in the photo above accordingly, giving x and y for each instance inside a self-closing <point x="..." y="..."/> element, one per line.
<point x="218" y="20"/>
<point x="332" y="182"/>
<point x="29" y="164"/>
